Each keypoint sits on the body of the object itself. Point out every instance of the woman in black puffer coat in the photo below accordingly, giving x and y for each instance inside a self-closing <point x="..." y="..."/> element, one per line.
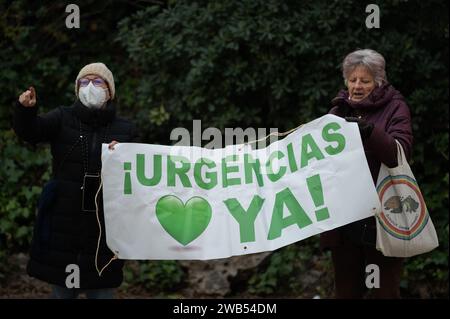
<point x="65" y="232"/>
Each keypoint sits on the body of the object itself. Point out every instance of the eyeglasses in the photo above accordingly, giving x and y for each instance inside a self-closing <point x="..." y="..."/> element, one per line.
<point x="95" y="82"/>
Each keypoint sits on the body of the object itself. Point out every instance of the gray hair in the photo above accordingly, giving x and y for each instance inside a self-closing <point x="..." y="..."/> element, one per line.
<point x="368" y="58"/>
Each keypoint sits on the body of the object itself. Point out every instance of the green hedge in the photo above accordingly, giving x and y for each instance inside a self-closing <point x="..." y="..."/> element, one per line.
<point x="250" y="63"/>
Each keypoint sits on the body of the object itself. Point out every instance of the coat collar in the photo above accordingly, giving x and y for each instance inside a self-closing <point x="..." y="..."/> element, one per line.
<point x="95" y="117"/>
<point x="379" y="97"/>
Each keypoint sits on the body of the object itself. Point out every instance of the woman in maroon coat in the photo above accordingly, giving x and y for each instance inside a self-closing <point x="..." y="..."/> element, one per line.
<point x="383" y="117"/>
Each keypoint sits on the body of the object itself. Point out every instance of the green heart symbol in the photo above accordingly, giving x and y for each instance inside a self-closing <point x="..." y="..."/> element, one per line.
<point x="183" y="222"/>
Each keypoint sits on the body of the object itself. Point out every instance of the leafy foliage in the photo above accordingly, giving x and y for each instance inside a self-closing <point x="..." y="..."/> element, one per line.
<point x="155" y="276"/>
<point x="300" y="270"/>
<point x="250" y="63"/>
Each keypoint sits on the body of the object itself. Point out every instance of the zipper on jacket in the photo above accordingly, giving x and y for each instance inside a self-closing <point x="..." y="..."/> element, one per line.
<point x="92" y="151"/>
<point x="94" y="141"/>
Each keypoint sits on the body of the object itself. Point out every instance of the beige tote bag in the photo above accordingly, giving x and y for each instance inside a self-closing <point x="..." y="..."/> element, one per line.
<point x="404" y="227"/>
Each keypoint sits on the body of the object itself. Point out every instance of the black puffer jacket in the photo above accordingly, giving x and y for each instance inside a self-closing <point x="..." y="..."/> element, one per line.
<point x="65" y="234"/>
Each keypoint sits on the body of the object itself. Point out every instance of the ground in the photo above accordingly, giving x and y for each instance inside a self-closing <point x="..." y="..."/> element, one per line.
<point x="19" y="285"/>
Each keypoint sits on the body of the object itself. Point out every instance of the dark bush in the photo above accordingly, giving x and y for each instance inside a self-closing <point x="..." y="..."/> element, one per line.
<point x="251" y="63"/>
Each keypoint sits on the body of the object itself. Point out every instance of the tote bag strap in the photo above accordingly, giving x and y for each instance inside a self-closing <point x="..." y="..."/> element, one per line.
<point x="401" y="158"/>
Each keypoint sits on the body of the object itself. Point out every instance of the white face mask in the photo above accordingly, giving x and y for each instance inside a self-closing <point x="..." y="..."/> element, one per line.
<point x="92" y="96"/>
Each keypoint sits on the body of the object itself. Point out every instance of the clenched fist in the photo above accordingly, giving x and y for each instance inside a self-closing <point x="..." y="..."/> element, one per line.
<point x="28" y="98"/>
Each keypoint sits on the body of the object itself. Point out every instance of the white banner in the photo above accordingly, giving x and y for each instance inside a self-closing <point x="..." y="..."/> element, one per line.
<point x="178" y="202"/>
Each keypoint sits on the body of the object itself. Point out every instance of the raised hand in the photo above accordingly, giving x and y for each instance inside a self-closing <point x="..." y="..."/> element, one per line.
<point x="28" y="98"/>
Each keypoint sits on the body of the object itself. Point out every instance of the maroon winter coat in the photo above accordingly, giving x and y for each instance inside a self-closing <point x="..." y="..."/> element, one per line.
<point x="386" y="108"/>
